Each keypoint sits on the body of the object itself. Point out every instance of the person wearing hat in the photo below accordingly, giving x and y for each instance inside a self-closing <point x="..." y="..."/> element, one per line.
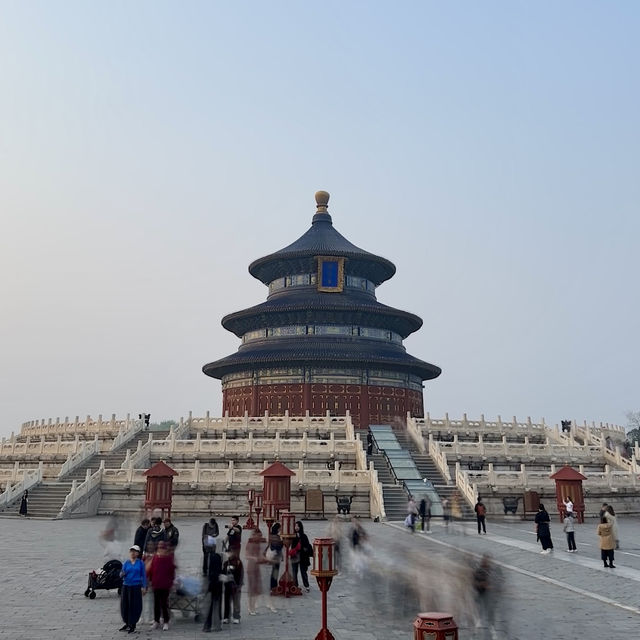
<point x="134" y="585"/>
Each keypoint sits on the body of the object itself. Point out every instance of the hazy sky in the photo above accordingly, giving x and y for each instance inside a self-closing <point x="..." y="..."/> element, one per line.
<point x="149" y="151"/>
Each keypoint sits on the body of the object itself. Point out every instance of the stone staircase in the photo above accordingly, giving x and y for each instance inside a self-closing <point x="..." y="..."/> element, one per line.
<point x="429" y="470"/>
<point x="394" y="496"/>
<point x="45" y="501"/>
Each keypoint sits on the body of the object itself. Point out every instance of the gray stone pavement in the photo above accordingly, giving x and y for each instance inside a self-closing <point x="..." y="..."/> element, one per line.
<point x="44" y="567"/>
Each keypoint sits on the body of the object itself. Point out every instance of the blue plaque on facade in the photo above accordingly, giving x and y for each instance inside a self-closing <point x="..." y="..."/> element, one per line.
<point x="330" y="273"/>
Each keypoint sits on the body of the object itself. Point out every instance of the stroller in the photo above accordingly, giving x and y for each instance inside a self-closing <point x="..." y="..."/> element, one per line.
<point x="106" y="578"/>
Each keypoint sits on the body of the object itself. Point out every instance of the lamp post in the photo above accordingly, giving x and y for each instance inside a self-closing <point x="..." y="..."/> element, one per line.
<point x="251" y="494"/>
<point x="324" y="570"/>
<point x="287" y="586"/>
<point x="269" y="516"/>
<point x="258" y="509"/>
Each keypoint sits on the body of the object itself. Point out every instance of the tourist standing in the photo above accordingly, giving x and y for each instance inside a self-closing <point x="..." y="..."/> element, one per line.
<point x="234" y="536"/>
<point x="412" y="514"/>
<point x="233" y="570"/>
<point x="140" y="536"/>
<point x="214" y="567"/>
<point x="210" y="533"/>
<point x="147" y="598"/>
<point x="481" y="515"/>
<point x="425" y="513"/>
<point x="155" y="534"/>
<point x="568" y="505"/>
<point x="446" y="513"/>
<point x="612" y="519"/>
<point x="301" y="553"/>
<point x="569" y="529"/>
<point x="369" y="443"/>
<point x="607" y="542"/>
<point x="134" y="585"/>
<point x="543" y="531"/>
<point x="171" y="533"/>
<point x="24" y="504"/>
<point x="161" y="574"/>
<point x="273" y="555"/>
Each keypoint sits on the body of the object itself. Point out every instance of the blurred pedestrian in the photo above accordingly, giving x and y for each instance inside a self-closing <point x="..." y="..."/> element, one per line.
<point x="134" y="585"/>
<point x="253" y="571"/>
<point x="425" y="513"/>
<point x="612" y="519"/>
<point x="155" y="534"/>
<point x="369" y="443"/>
<point x="171" y="533"/>
<point x="607" y="542"/>
<point x="481" y="515"/>
<point x="487" y="584"/>
<point x="301" y="553"/>
<point x="412" y="514"/>
<point x="24" y="504"/>
<point x="161" y="574"/>
<point x="147" y="598"/>
<point x="543" y="531"/>
<point x="214" y="587"/>
<point x="233" y="572"/>
<point x="273" y="555"/>
<point x="569" y="529"/>
<point x="446" y="513"/>
<point x="210" y="533"/>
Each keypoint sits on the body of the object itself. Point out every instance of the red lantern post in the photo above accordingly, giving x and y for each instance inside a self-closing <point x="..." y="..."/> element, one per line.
<point x="269" y="516"/>
<point x="250" y="498"/>
<point x="324" y="570"/>
<point x="287" y="586"/>
<point x="258" y="510"/>
<point x="435" y="626"/>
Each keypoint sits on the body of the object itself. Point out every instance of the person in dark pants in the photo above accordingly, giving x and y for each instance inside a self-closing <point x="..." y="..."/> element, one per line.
<point x="234" y="536"/>
<point x="134" y="584"/>
<point x="301" y="553"/>
<point x="171" y="533"/>
<point x="161" y="575"/>
<point x="607" y="542"/>
<point x="273" y="553"/>
<point x="569" y="529"/>
<point x="425" y="513"/>
<point x="210" y="533"/>
<point x="213" y="621"/>
<point x="543" y="531"/>
<point x="233" y="570"/>
<point x="24" y="503"/>
<point x="481" y="515"/>
<point x="369" y="443"/>
<point x="141" y="533"/>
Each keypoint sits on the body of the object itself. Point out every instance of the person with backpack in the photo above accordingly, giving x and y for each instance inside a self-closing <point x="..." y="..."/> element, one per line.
<point x="481" y="514"/>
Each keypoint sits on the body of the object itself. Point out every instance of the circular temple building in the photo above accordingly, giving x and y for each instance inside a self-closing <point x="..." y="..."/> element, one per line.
<point x="322" y="342"/>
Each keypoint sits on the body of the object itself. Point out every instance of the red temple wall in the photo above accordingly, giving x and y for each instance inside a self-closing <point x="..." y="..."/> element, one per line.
<point x="367" y="404"/>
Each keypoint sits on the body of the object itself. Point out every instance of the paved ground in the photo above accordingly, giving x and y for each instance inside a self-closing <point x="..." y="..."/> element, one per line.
<point x="44" y="565"/>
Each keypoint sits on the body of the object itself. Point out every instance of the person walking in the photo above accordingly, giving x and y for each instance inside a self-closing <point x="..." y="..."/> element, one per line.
<point x="210" y="533"/>
<point x="253" y="573"/>
<point x="446" y="513"/>
<point x="607" y="542"/>
<point x="543" y="531"/>
<point x="425" y="513"/>
<point x="140" y="536"/>
<point x="301" y="553"/>
<point x="24" y="503"/>
<point x="569" y="529"/>
<point x="481" y="515"/>
<point x="233" y="571"/>
<point x="134" y="585"/>
<point x="412" y="514"/>
<point x="487" y="583"/>
<point x="171" y="533"/>
<point x="214" y="568"/>
<point x="161" y="574"/>
<point x="612" y="519"/>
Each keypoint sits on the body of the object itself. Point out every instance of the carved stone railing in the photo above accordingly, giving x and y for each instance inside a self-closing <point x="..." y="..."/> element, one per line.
<point x="271" y="423"/>
<point x="127" y="433"/>
<point x="85" y="451"/>
<point x="141" y="457"/>
<point x="81" y="491"/>
<point x="38" y="449"/>
<point x="466" y="486"/>
<point x="439" y="458"/>
<point x="30" y="479"/>
<point x="88" y="426"/>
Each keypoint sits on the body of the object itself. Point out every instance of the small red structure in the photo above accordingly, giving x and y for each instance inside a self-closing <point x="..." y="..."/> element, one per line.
<point x="159" y="488"/>
<point x="569" y="484"/>
<point x="435" y="626"/>
<point x="276" y="489"/>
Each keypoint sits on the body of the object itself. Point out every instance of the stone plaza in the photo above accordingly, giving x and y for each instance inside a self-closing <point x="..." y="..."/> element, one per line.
<point x="45" y="565"/>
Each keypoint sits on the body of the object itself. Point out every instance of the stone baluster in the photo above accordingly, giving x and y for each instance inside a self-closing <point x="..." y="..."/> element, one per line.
<point x="447" y="422"/>
<point x="199" y="442"/>
<point x="300" y="473"/>
<point x="305" y="443"/>
<point x="465" y="422"/>
<point x="223" y="442"/>
<point x="196" y="471"/>
<point x="491" y="475"/>
<point x="76" y="443"/>
<point x="277" y="443"/>
<point x="505" y="446"/>
<point x="230" y="472"/>
<point x="481" y="444"/>
<point x="14" y="474"/>
<point x="524" y="480"/>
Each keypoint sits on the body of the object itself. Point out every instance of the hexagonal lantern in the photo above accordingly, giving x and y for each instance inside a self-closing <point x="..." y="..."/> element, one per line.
<point x="159" y="492"/>
<point x="435" y="626"/>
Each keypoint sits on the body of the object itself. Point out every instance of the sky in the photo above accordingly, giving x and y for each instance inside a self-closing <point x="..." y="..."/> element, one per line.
<point x="150" y="151"/>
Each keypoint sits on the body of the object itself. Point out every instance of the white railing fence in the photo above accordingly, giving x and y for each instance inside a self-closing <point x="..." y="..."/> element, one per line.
<point x="81" y="491"/>
<point x="30" y="479"/>
<point x="85" y="451"/>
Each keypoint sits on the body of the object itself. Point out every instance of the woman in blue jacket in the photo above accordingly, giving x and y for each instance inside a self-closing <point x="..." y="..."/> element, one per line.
<point x="134" y="585"/>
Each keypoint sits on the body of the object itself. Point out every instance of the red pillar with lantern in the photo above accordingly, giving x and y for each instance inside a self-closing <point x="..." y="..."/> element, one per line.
<point x="286" y="585"/>
<point x="324" y="570"/>
<point x="159" y="493"/>
<point x="251" y="496"/>
<point x="435" y="626"/>
<point x="569" y="484"/>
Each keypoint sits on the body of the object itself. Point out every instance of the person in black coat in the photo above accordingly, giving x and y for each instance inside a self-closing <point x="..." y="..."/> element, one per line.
<point x="542" y="529"/>
<point x="301" y="553"/>
<point x="210" y="533"/>
<point x="213" y="621"/>
<point x="141" y="533"/>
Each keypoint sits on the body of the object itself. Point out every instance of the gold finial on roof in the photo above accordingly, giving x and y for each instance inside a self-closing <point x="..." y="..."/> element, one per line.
<point x="322" y="201"/>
